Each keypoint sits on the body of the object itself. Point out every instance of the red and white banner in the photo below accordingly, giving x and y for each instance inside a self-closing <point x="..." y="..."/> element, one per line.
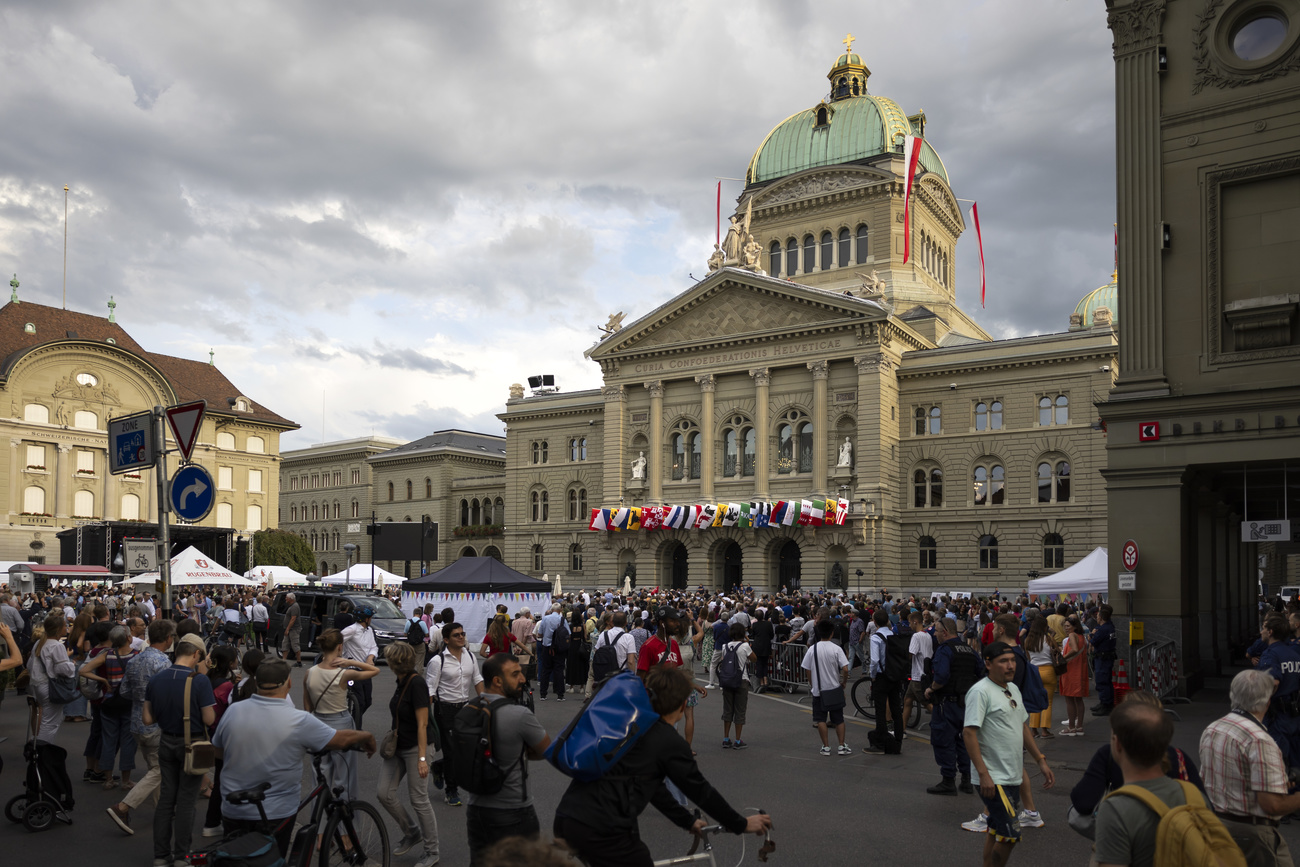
<point x="979" y="238"/>
<point x="911" y="154"/>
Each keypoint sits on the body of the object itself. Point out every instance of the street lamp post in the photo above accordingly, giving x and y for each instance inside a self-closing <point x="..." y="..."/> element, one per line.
<point x="349" y="548"/>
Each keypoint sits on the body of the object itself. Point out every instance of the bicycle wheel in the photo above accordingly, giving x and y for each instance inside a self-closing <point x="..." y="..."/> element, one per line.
<point x="862" y="698"/>
<point x="354" y="706"/>
<point x="913" y="720"/>
<point x="355" y="835"/>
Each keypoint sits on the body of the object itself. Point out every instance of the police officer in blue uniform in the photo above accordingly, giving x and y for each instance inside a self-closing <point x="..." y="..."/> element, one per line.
<point x="1282" y="660"/>
<point x="1104" y="642"/>
<point x="957" y="667"/>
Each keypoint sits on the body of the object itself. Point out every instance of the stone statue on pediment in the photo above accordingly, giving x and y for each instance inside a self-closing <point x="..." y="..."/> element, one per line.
<point x="872" y="285"/>
<point x="614" y="324"/>
<point x="732" y="244"/>
<point x="716" y="260"/>
<point x="754" y="256"/>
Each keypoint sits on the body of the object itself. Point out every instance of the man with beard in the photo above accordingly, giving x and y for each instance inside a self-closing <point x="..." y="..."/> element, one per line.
<point x="517" y="736"/>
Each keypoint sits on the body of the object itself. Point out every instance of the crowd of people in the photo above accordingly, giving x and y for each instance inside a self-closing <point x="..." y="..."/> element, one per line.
<point x="987" y="671"/>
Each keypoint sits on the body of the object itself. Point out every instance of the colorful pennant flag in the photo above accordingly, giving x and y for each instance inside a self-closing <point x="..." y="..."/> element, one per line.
<point x="652" y="517"/>
<point x="599" y="519"/>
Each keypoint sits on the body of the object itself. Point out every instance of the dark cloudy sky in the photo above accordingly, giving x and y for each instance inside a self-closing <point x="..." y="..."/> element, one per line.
<point x="392" y="211"/>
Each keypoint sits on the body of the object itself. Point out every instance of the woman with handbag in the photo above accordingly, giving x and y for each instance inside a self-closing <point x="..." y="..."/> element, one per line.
<point x="1040" y="645"/>
<point x="1074" y="683"/>
<point x="54" y="675"/>
<point x="405" y="751"/>
<point x="325" y="694"/>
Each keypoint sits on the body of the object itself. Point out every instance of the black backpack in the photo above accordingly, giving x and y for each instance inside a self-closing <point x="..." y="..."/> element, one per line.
<point x="731" y="675"/>
<point x="473" y="733"/>
<point x="415" y="632"/>
<point x="898" y="659"/>
<point x="605" y="661"/>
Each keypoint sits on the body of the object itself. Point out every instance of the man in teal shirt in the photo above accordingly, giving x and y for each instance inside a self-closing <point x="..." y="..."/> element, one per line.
<point x="995" y="733"/>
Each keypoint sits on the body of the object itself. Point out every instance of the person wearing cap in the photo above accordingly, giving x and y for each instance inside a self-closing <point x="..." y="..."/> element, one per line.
<point x="996" y="734"/>
<point x="164" y="704"/>
<point x="359" y="644"/>
<point x="262" y="739"/>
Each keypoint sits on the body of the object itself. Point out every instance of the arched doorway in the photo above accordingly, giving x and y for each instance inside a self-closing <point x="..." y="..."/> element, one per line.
<point x="468" y="552"/>
<point x="492" y="551"/>
<point x="733" y="573"/>
<point x="788" y="569"/>
<point x="677" y="567"/>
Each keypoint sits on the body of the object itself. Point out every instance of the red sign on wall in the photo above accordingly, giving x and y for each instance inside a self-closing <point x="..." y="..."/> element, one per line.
<point x="1129" y="556"/>
<point x="1148" y="431"/>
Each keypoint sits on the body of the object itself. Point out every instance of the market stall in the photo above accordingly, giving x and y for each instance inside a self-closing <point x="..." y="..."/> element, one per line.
<point x="473" y="587"/>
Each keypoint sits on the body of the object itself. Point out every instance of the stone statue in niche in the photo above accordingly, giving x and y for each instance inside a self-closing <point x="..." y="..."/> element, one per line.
<point x="837" y="575"/>
<point x="846" y="454"/>
<point x="638" y="466"/>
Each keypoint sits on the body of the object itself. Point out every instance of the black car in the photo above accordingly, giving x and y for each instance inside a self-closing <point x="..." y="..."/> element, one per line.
<point x="319" y="605"/>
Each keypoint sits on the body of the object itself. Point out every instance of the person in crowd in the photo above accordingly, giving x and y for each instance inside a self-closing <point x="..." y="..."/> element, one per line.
<point x="997" y="733"/>
<point x="577" y="662"/>
<point x="1281" y="659"/>
<point x="223" y="677"/>
<point x="735" y="699"/>
<point x="522" y="629"/>
<point x="78" y="647"/>
<point x="325" y="694"/>
<point x="344" y="617"/>
<point x="499" y="638"/>
<point x="49" y="658"/>
<point x="1073" y="685"/>
<point x="618" y="636"/>
<point x="886" y="694"/>
<point x="550" y="662"/>
<point x="139" y="671"/>
<point x="137" y="627"/>
<point x="828" y="669"/>
<point x="164" y="704"/>
<point x="260" y="618"/>
<point x="1126" y="827"/>
<point x="452" y="678"/>
<point x="95" y="643"/>
<point x="1040" y="646"/>
<point x="263" y="740"/>
<point x="1104" y="642"/>
<point x="598" y="820"/>
<point x="764" y="633"/>
<point x="291" y="639"/>
<point x="108" y="669"/>
<point x="955" y="669"/>
<point x="662" y="648"/>
<point x="640" y="630"/>
<point x="360" y="645"/>
<point x="409" y="708"/>
<point x="720" y="630"/>
<point x="517" y="737"/>
<point x="920" y="648"/>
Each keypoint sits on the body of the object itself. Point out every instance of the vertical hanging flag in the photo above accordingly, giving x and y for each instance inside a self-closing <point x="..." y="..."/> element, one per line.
<point x="717" y="221"/>
<point x="841" y="512"/>
<point x="979" y="238"/>
<point x="1116" y="227"/>
<point x="911" y="154"/>
<point x="634" y="518"/>
<point x="745" y="521"/>
<point x="762" y="513"/>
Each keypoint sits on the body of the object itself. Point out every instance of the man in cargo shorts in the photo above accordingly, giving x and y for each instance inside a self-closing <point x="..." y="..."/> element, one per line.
<point x="291" y="642"/>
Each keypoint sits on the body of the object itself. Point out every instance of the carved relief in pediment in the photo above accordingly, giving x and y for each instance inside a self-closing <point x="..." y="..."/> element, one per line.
<point x="736" y="311"/>
<point x="818" y="186"/>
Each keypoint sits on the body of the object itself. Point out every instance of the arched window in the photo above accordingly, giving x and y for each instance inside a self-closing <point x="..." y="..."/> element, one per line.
<point x="131" y="509"/>
<point x="862" y="244"/>
<point x="1053" y="410"/>
<point x="730" y="453"/>
<point x="828" y="250"/>
<point x="336" y="508"/>
<point x="293" y="513"/>
<point x="254" y="518"/>
<point x="34" y="500"/>
<point x="990" y="484"/>
<point x="545" y="452"/>
<point x="541" y="506"/>
<point x="315" y="542"/>
<point x="844" y="252"/>
<point x="475" y="515"/>
<point x="926" y="548"/>
<point x="575" y="557"/>
<point x="256" y="445"/>
<point x="785" y="462"/>
<point x="537" y="558"/>
<point x="83" y="504"/>
<point x="410" y="490"/>
<point x="225" y="440"/>
<point x="773" y="260"/>
<point x="981" y="416"/>
<point x="1062" y="409"/>
<point x="428" y="489"/>
<point x="995" y="415"/>
<point x="936" y="420"/>
<point x="749" y="453"/>
<point x="696" y="443"/>
<point x="390" y="492"/>
<point x="35" y="412"/>
<point x="806" y="447"/>
<point x="573" y="504"/>
<point x="988" y="552"/>
<point x="537" y="453"/>
<point x="1054" y="482"/>
<point x="927" y="487"/>
<point x="791" y="258"/>
<point x="537" y="506"/>
<point x="582" y="503"/>
<point x="679" y="456"/>
<point x="85" y="420"/>
<point x="809" y="254"/>
<point x="921" y="414"/>
<point x="314" y="513"/>
<point x="464" y="513"/>
<point x="225" y="515"/>
<point x="822" y="119"/>
<point x="1053" y="551"/>
<point x="356" y="509"/>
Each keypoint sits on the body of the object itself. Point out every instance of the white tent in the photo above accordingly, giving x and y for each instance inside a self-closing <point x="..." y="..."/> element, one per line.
<point x="191" y="567"/>
<point x="1089" y="575"/>
<point x="274" y="575"/>
<point x="360" y="576"/>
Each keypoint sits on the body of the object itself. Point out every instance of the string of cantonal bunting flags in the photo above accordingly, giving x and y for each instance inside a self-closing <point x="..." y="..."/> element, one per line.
<point x="782" y="513"/>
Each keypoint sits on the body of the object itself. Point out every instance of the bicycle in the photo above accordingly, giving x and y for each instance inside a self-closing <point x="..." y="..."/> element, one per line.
<point x="352" y="832"/>
<point x="861" y="694"/>
<point x="706" y="856"/>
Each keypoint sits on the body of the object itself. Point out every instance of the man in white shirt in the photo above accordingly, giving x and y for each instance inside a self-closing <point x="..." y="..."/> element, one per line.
<point x="828" y="669"/>
<point x="146" y="604"/>
<point x="886" y="694"/>
<point x="550" y="665"/>
<point x="453" y="679"/>
<point x="622" y="640"/>
<point x="359" y="644"/>
<point x="920" y="649"/>
<point x="261" y="619"/>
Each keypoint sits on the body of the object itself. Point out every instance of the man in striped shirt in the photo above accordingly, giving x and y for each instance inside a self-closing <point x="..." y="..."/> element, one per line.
<point x="1244" y="775"/>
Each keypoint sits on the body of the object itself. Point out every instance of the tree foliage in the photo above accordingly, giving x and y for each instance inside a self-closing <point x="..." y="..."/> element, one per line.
<point x="282" y="548"/>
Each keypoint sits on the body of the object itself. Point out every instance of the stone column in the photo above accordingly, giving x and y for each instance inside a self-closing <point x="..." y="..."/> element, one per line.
<point x="762" y="438"/>
<point x="820" y="373"/>
<point x="707" y="384"/>
<point x="655" y="466"/>
<point x="15" y="477"/>
<point x="63" y="470"/>
<point x="1136" y="26"/>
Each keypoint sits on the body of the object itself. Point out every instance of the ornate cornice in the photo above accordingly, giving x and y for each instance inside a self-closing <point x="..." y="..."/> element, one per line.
<point x="816" y="187"/>
<point x="1136" y="26"/>
<point x="612" y="392"/>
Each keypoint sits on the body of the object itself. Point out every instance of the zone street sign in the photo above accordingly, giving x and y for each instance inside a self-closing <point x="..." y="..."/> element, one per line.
<point x="130" y="443"/>
<point x="192" y="493"/>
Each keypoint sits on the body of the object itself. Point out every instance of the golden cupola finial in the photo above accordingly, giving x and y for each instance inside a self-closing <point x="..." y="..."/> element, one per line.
<point x="849" y="75"/>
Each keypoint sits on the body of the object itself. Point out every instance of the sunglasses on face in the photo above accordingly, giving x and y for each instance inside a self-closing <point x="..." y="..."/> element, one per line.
<point x="1007" y="693"/>
<point x="458" y="635"/>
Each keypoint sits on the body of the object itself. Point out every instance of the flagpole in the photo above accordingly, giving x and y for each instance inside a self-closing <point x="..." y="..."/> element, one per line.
<point x="65" y="246"/>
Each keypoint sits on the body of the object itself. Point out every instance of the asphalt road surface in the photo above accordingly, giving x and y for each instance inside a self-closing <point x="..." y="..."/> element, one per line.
<point x="837" y="810"/>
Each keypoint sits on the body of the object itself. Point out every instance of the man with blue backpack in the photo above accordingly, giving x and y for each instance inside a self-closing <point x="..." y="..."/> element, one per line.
<point x="597" y="817"/>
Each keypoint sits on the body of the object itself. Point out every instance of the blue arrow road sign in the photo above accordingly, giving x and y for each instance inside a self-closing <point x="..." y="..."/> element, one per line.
<point x="192" y="493"/>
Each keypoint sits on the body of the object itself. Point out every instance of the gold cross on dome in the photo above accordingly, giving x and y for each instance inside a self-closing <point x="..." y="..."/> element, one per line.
<point x="848" y="42"/>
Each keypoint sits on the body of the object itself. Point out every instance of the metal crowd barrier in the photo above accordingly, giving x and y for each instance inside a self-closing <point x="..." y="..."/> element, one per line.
<point x="1156" y="670"/>
<point x="785" y="667"/>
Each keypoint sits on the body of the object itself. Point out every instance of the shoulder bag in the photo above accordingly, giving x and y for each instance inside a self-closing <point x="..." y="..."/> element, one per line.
<point x="62" y="688"/>
<point x="200" y="756"/>
<point x="831" y="699"/>
<point x="388" y="746"/>
<point x="1058" y="659"/>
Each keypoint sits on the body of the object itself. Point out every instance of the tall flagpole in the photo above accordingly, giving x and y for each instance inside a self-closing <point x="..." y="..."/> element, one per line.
<point x="65" y="246"/>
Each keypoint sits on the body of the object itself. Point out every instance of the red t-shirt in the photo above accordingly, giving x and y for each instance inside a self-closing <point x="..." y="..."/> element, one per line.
<point x="654" y="651"/>
<point x="986" y="635"/>
<point x="502" y="646"/>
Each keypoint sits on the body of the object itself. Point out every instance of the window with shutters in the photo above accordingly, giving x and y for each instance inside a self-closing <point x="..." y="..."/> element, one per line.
<point x="225" y="478"/>
<point x="255" y="481"/>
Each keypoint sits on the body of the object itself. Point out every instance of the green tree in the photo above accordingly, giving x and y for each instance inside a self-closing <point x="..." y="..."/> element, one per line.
<point x="282" y="548"/>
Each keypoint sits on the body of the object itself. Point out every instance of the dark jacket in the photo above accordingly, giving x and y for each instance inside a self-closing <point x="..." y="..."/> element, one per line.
<point x="614" y="802"/>
<point x="1103" y="775"/>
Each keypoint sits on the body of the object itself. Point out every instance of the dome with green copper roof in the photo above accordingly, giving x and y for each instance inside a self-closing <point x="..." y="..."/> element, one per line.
<point x="851" y="125"/>
<point x="1103" y="296"/>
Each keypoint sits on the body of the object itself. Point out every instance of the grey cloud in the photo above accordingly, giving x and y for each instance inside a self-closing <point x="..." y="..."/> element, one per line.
<point x="399" y="358"/>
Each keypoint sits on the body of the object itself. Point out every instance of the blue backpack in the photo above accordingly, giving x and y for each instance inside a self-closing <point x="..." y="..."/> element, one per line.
<point x="609" y="724"/>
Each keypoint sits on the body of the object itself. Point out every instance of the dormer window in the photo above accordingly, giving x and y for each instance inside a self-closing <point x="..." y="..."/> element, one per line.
<point x="822" y="118"/>
<point x="241" y="405"/>
<point x="29" y="328"/>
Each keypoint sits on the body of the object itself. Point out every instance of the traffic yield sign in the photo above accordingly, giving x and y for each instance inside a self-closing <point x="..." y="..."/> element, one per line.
<point x="185" y="419"/>
<point x="1129" y="556"/>
<point x="192" y="493"/>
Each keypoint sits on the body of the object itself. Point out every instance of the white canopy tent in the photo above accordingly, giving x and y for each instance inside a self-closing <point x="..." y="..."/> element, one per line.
<point x="192" y="567"/>
<point x="1089" y="575"/>
<point x="273" y="576"/>
<point x="360" y="575"/>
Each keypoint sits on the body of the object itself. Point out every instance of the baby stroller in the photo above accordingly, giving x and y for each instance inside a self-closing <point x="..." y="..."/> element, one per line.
<point x="48" y="795"/>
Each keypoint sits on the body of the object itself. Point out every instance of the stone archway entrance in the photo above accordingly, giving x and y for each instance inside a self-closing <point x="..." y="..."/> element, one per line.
<point x="492" y="551"/>
<point x="788" y="570"/>
<point x="677" y="567"/>
<point x="733" y="572"/>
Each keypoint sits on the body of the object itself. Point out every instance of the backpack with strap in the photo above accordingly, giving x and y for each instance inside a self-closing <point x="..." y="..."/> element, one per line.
<point x="473" y="736"/>
<point x="605" y="661"/>
<point x="730" y="673"/>
<point x="415" y="632"/>
<point x="898" y="658"/>
<point x="609" y="724"/>
<point x="1189" y="835"/>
